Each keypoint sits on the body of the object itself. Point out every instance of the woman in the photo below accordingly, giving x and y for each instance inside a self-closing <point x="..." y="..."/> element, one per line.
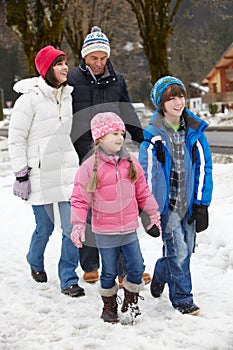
<point x="44" y="161"/>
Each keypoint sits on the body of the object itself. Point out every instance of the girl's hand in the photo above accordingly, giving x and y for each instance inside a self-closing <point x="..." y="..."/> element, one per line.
<point x="78" y="235"/>
<point x="154" y="229"/>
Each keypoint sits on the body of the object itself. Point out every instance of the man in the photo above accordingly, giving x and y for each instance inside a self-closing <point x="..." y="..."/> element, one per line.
<point x="98" y="88"/>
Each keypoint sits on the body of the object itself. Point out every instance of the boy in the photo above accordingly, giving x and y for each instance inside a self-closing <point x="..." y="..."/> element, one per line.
<point x="181" y="179"/>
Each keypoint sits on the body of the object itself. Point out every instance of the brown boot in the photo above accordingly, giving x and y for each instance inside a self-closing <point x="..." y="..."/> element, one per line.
<point x="91" y="277"/>
<point x="130" y="302"/>
<point x="109" y="297"/>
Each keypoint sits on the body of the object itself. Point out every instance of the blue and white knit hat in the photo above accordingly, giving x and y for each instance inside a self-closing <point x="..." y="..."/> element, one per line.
<point x="95" y="41"/>
<point x="161" y="85"/>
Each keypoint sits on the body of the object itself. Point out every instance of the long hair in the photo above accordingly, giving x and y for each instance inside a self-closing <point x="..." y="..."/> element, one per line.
<point x="93" y="181"/>
<point x="50" y="77"/>
<point x="132" y="174"/>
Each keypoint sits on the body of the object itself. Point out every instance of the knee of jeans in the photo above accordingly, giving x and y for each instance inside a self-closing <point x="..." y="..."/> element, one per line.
<point x="169" y="247"/>
<point x="44" y="230"/>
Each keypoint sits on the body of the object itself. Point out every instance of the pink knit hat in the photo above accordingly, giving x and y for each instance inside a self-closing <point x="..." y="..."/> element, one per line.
<point x="45" y="58"/>
<point x="105" y="123"/>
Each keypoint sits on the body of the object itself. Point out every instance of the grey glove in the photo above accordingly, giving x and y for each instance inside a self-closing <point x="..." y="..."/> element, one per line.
<point x="22" y="185"/>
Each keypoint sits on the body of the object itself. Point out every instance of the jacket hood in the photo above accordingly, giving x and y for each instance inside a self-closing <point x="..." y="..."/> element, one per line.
<point x="25" y="86"/>
<point x="122" y="154"/>
<point x="192" y="121"/>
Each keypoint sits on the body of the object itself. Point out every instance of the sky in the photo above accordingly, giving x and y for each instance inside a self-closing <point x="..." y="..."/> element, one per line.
<point x="38" y="316"/>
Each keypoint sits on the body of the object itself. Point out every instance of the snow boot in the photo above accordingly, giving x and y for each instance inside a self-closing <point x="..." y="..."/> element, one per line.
<point x="156" y="288"/>
<point x="131" y="296"/>
<point x="109" y="297"/>
<point x="188" y="308"/>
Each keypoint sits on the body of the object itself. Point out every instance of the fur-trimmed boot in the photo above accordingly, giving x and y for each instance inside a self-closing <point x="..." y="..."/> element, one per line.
<point x="109" y="297"/>
<point x="130" y="302"/>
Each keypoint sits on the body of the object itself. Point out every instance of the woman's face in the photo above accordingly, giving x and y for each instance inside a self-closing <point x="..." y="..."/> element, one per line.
<point x="112" y="143"/>
<point x="60" y="71"/>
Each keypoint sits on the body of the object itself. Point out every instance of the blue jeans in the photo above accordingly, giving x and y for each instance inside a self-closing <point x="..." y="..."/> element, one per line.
<point x="89" y="254"/>
<point x="44" y="216"/>
<point x="110" y="247"/>
<point x="174" y="267"/>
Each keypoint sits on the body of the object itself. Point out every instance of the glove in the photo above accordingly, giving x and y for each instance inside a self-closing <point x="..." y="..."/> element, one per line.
<point x="200" y="214"/>
<point x="22" y="185"/>
<point x="154" y="231"/>
<point x="78" y="235"/>
<point x="151" y="224"/>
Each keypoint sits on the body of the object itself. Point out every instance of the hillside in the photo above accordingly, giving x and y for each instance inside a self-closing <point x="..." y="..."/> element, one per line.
<point x="202" y="32"/>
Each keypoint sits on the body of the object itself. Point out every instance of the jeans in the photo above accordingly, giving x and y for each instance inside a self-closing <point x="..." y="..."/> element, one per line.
<point x="44" y="217"/>
<point x="89" y="254"/>
<point x="174" y="267"/>
<point x="110" y="247"/>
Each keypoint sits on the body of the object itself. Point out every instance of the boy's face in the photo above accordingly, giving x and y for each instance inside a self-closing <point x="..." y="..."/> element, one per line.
<point x="174" y="107"/>
<point x="112" y="143"/>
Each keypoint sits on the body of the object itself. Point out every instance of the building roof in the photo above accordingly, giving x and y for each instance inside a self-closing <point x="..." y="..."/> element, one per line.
<point x="223" y="62"/>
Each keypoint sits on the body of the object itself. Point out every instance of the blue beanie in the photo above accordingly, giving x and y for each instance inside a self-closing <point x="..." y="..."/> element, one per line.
<point x="160" y="86"/>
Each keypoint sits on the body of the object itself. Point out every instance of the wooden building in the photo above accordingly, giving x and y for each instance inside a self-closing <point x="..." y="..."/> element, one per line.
<point x="220" y="82"/>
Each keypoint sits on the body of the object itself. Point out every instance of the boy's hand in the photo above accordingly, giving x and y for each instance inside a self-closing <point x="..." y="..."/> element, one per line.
<point x="200" y="214"/>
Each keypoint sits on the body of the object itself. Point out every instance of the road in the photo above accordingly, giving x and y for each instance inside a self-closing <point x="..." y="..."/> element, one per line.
<point x="220" y="139"/>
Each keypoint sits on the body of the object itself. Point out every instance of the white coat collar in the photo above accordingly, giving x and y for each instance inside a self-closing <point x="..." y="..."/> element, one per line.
<point x="25" y="86"/>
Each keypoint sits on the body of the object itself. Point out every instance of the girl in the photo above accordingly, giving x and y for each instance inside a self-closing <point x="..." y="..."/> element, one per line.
<point x="112" y="183"/>
<point x="44" y="161"/>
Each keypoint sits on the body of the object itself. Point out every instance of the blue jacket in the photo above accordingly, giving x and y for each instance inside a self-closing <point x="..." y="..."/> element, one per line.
<point x="155" y="158"/>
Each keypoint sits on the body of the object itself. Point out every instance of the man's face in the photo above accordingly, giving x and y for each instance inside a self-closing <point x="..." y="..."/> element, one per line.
<point x="96" y="61"/>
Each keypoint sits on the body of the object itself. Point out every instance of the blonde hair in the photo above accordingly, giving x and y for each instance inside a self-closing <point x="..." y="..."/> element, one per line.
<point x="93" y="181"/>
<point x="132" y="174"/>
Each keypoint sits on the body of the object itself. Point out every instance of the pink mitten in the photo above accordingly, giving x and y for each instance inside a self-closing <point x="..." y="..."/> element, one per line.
<point x="78" y="235"/>
<point x="155" y="220"/>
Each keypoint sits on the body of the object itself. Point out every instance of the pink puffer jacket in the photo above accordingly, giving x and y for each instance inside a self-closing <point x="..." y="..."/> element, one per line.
<point x="116" y="200"/>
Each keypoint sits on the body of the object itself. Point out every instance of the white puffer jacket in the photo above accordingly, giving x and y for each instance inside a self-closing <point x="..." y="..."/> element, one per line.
<point x="39" y="136"/>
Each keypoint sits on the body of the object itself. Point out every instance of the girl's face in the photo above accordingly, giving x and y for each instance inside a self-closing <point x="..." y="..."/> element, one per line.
<point x="174" y="107"/>
<point x="60" y="71"/>
<point x="112" y="143"/>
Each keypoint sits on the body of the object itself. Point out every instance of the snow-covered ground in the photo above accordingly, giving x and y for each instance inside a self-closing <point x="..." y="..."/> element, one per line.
<point x="37" y="316"/>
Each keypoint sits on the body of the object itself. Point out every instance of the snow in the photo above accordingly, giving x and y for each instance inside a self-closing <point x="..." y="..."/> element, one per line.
<point x="37" y="316"/>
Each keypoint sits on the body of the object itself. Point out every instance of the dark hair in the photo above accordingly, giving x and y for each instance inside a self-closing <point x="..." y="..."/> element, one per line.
<point x="50" y="77"/>
<point x="171" y="91"/>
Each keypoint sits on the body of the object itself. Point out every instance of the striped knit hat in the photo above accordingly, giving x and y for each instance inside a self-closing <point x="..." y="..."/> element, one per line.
<point x="95" y="41"/>
<point x="161" y="85"/>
